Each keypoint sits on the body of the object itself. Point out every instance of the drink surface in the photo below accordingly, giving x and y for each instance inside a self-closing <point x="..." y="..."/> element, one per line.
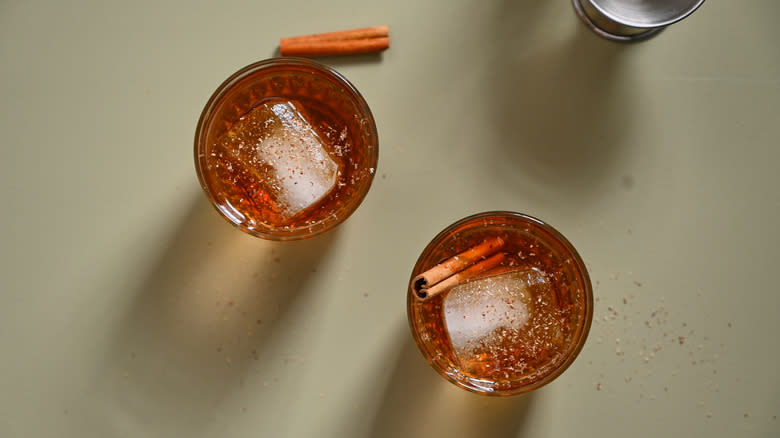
<point x="504" y="326"/>
<point x="272" y="164"/>
<point x="512" y="327"/>
<point x="289" y="150"/>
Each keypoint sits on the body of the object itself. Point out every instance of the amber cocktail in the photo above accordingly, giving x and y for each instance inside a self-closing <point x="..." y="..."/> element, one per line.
<point x="500" y="303"/>
<point x="286" y="148"/>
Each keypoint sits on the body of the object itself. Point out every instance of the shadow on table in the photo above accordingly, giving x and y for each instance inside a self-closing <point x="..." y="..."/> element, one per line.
<point x="416" y="402"/>
<point x="561" y="107"/>
<point x="201" y="317"/>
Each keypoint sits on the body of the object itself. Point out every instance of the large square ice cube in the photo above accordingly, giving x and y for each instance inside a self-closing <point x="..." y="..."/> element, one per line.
<point x="482" y="314"/>
<point x="277" y="149"/>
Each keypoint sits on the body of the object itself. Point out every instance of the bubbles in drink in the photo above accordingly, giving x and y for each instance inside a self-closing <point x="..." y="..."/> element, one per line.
<point x="276" y="158"/>
<point x="479" y="311"/>
<point x="502" y="324"/>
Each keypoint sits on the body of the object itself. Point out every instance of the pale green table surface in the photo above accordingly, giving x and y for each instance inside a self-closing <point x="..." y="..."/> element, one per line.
<point x="131" y="309"/>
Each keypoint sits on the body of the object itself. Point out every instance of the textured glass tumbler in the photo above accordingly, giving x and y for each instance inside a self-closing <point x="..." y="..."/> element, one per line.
<point x="514" y="326"/>
<point x="286" y="149"/>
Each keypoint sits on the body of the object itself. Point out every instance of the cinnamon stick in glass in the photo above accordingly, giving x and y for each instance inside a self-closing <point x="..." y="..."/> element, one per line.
<point x="455" y="264"/>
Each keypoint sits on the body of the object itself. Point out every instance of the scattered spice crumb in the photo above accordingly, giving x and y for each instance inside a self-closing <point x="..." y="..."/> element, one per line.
<point x="638" y="284"/>
<point x="729" y="325"/>
<point x="746" y="415"/>
<point x="598" y="386"/>
<point x="259" y="321"/>
<point x="681" y="339"/>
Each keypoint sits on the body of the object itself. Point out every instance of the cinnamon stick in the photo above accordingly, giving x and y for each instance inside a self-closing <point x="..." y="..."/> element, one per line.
<point x="344" y="42"/>
<point x="353" y="34"/>
<point x="455" y="264"/>
<point x="462" y="276"/>
<point x="331" y="48"/>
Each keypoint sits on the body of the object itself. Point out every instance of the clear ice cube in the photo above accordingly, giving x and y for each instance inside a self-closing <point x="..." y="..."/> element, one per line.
<point x="274" y="146"/>
<point x="482" y="313"/>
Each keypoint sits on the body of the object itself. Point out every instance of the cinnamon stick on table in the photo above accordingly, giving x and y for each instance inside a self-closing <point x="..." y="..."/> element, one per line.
<point x="453" y="265"/>
<point x="345" y="42"/>
<point x="352" y="34"/>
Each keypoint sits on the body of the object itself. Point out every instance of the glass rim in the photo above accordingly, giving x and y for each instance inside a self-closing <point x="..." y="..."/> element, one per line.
<point x="588" y="303"/>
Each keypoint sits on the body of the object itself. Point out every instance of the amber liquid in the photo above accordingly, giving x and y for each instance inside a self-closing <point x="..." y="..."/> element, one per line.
<point x="514" y="358"/>
<point x="336" y="119"/>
